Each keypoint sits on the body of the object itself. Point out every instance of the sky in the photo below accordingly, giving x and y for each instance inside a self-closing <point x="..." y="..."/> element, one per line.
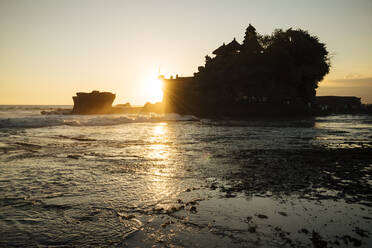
<point x="49" y="49"/>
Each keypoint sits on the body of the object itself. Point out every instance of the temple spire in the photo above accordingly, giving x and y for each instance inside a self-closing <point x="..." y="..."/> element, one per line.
<point x="250" y="42"/>
<point x="250" y="34"/>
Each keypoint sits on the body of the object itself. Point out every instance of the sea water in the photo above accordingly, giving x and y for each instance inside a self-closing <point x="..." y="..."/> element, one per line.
<point x="181" y="181"/>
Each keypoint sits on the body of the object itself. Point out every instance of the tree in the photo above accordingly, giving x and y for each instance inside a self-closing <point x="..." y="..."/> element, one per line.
<point x="304" y="58"/>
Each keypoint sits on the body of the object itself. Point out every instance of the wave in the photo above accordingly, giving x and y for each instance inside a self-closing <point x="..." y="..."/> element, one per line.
<point x="33" y="107"/>
<point x="91" y="120"/>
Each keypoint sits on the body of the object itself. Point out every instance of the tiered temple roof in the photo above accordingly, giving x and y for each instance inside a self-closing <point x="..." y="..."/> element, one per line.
<point x="232" y="48"/>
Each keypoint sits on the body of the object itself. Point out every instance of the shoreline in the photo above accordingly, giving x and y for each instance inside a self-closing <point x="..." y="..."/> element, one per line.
<point x="188" y="184"/>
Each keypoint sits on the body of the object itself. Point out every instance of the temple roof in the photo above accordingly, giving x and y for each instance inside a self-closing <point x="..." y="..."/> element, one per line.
<point x="233" y="46"/>
<point x="220" y="51"/>
<point x="251" y="29"/>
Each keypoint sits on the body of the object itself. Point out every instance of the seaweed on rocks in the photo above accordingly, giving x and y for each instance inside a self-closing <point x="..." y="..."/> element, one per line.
<point x="314" y="174"/>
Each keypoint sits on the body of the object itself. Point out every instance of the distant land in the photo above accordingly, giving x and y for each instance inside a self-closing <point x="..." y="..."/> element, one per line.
<point x="348" y="86"/>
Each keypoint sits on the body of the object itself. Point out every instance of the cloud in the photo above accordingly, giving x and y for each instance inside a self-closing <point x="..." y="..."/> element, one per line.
<point x="353" y="76"/>
<point x="353" y="81"/>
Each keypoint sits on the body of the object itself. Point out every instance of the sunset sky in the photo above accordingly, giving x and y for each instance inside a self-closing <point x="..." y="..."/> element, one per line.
<point x="49" y="50"/>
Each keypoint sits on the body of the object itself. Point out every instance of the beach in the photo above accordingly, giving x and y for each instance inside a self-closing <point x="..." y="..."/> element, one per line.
<point x="180" y="181"/>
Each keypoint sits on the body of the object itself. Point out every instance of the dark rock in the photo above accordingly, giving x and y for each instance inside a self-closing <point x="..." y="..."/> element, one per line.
<point x="283" y="213"/>
<point x="213" y="186"/>
<point x="354" y="241"/>
<point x="361" y="232"/>
<point x="304" y="230"/>
<point x="192" y="209"/>
<point x="249" y="218"/>
<point x="73" y="156"/>
<point x="262" y="216"/>
<point x="93" y="103"/>
<point x="252" y="229"/>
<point x="318" y="241"/>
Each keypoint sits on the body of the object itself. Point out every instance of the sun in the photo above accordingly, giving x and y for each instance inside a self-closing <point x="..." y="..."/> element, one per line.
<point x="154" y="90"/>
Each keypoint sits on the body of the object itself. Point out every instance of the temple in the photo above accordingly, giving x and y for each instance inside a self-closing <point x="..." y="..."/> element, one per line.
<point x="265" y="75"/>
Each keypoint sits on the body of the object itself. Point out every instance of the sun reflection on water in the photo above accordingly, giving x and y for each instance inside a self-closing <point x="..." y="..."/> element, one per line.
<point x="160" y="129"/>
<point x="158" y="149"/>
<point x="161" y="184"/>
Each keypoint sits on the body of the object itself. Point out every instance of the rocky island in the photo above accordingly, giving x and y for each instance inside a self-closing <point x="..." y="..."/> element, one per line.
<point x="101" y="103"/>
<point x="93" y="103"/>
<point x="266" y="75"/>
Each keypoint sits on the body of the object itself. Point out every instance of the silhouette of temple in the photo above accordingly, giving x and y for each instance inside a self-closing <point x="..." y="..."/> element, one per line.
<point x="265" y="75"/>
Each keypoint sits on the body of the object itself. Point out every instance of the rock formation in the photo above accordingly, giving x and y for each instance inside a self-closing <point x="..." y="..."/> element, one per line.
<point x="93" y="103"/>
<point x="265" y="75"/>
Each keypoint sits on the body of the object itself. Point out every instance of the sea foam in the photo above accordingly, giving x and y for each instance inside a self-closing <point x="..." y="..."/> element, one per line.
<point x="88" y="120"/>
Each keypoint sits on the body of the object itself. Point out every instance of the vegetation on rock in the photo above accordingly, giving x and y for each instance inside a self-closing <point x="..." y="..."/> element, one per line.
<point x="281" y="69"/>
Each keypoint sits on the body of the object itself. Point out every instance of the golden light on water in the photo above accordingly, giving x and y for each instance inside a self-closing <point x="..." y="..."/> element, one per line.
<point x="160" y="129"/>
<point x="160" y="174"/>
<point x="159" y="150"/>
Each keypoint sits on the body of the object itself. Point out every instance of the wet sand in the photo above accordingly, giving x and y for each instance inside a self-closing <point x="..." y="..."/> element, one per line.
<point x="313" y="198"/>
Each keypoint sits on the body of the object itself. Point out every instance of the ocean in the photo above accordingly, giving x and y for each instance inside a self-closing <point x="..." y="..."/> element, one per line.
<point x="180" y="181"/>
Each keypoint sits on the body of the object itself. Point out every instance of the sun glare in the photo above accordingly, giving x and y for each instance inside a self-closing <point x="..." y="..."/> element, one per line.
<point x="154" y="90"/>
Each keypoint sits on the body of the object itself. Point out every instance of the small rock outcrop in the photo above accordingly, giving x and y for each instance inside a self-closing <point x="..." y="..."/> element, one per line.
<point x="93" y="103"/>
